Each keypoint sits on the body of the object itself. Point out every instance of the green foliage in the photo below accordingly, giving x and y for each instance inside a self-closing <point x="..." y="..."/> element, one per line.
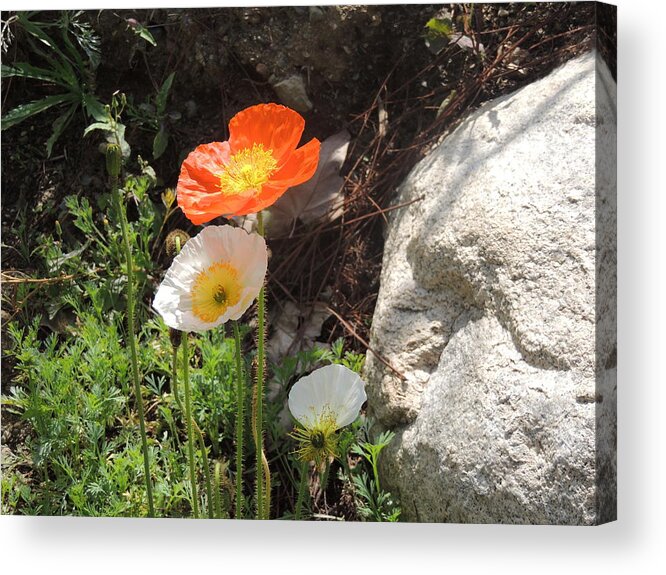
<point x="439" y="27"/>
<point x="84" y="446"/>
<point x="141" y="31"/>
<point x="373" y="503"/>
<point x="213" y="389"/>
<point x="110" y="124"/>
<point x="73" y="395"/>
<point x="67" y="64"/>
<point x="152" y="115"/>
<point x="72" y="388"/>
<point x="97" y="257"/>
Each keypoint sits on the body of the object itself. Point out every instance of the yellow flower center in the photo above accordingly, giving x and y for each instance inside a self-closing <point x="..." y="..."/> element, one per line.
<point x="214" y="291"/>
<point x="247" y="170"/>
<point x="318" y="443"/>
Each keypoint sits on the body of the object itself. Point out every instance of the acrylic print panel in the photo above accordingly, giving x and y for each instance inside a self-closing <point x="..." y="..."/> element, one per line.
<point x="339" y="263"/>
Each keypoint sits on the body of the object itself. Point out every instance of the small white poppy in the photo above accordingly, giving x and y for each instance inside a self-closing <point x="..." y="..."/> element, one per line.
<point x="323" y="402"/>
<point x="332" y="391"/>
<point x="215" y="278"/>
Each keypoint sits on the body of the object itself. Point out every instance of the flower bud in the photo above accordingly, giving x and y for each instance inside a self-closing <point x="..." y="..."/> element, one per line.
<point x="114" y="160"/>
<point x="168" y="197"/>
<point x="175" y="241"/>
<point x="176" y="336"/>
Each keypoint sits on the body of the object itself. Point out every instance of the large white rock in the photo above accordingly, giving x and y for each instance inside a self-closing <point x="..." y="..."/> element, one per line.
<point x="497" y="304"/>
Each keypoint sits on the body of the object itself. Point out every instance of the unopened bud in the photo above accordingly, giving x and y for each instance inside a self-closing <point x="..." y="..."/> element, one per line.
<point x="168" y="197"/>
<point x="176" y="336"/>
<point x="175" y="241"/>
<point x="114" y="160"/>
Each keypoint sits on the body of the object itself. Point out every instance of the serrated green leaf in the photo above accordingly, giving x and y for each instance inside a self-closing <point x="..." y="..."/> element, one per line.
<point x="25" y="111"/>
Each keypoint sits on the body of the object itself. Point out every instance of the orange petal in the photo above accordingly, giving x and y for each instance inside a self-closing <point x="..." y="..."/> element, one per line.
<point x="202" y="164"/>
<point x="198" y="184"/>
<point x="201" y="208"/>
<point x="300" y="166"/>
<point x="276" y="127"/>
<point x="268" y="196"/>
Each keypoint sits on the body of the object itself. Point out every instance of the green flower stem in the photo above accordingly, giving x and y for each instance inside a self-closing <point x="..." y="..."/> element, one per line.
<point x="188" y="417"/>
<point x="209" y="489"/>
<point x="302" y="486"/>
<point x="262" y="513"/>
<point x="218" y="488"/>
<point x="240" y="421"/>
<point x="324" y="478"/>
<point x="267" y="487"/>
<point x="174" y="374"/>
<point x="200" y="438"/>
<point x="131" y="338"/>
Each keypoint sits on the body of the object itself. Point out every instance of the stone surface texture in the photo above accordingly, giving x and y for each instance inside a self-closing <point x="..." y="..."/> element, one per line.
<point x="292" y="93"/>
<point x="497" y="305"/>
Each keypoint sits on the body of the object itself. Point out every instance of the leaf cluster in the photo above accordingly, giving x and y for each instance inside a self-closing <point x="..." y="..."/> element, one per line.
<point x="64" y="54"/>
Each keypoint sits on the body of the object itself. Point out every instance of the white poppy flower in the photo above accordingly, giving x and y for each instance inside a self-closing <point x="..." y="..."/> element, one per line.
<point x="332" y="391"/>
<point x="323" y="402"/>
<point x="215" y="277"/>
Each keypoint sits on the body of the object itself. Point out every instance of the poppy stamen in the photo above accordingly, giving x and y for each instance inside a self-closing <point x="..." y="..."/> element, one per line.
<point x="248" y="169"/>
<point x="214" y="290"/>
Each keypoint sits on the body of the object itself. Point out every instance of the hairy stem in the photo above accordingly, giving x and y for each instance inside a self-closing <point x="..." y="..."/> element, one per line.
<point x="174" y="374"/>
<point x="188" y="417"/>
<point x="132" y="341"/>
<point x="209" y="489"/>
<point x="302" y="487"/>
<point x="240" y="421"/>
<point x="267" y="486"/>
<point x="200" y="437"/>
<point x="218" y="487"/>
<point x="259" y="423"/>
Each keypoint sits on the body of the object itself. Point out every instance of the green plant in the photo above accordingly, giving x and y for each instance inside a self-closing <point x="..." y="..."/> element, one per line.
<point x="111" y="125"/>
<point x="62" y="65"/>
<point x="373" y="502"/>
<point x="152" y="115"/>
<point x="71" y="395"/>
<point x="84" y="447"/>
<point x="95" y="255"/>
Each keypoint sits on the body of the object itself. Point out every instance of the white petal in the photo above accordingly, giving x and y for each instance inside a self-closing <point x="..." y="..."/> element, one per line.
<point x="332" y="390"/>
<point x="245" y="252"/>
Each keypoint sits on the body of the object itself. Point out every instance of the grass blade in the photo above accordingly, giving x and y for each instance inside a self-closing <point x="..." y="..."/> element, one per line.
<point x="25" y="111"/>
<point x="59" y="126"/>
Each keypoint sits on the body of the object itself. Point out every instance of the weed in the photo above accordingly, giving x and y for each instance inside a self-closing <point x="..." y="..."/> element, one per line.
<point x="62" y="65"/>
<point x="373" y="502"/>
<point x="152" y="115"/>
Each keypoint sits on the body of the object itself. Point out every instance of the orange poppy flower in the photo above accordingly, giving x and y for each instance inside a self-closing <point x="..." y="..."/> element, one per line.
<point x="251" y="170"/>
